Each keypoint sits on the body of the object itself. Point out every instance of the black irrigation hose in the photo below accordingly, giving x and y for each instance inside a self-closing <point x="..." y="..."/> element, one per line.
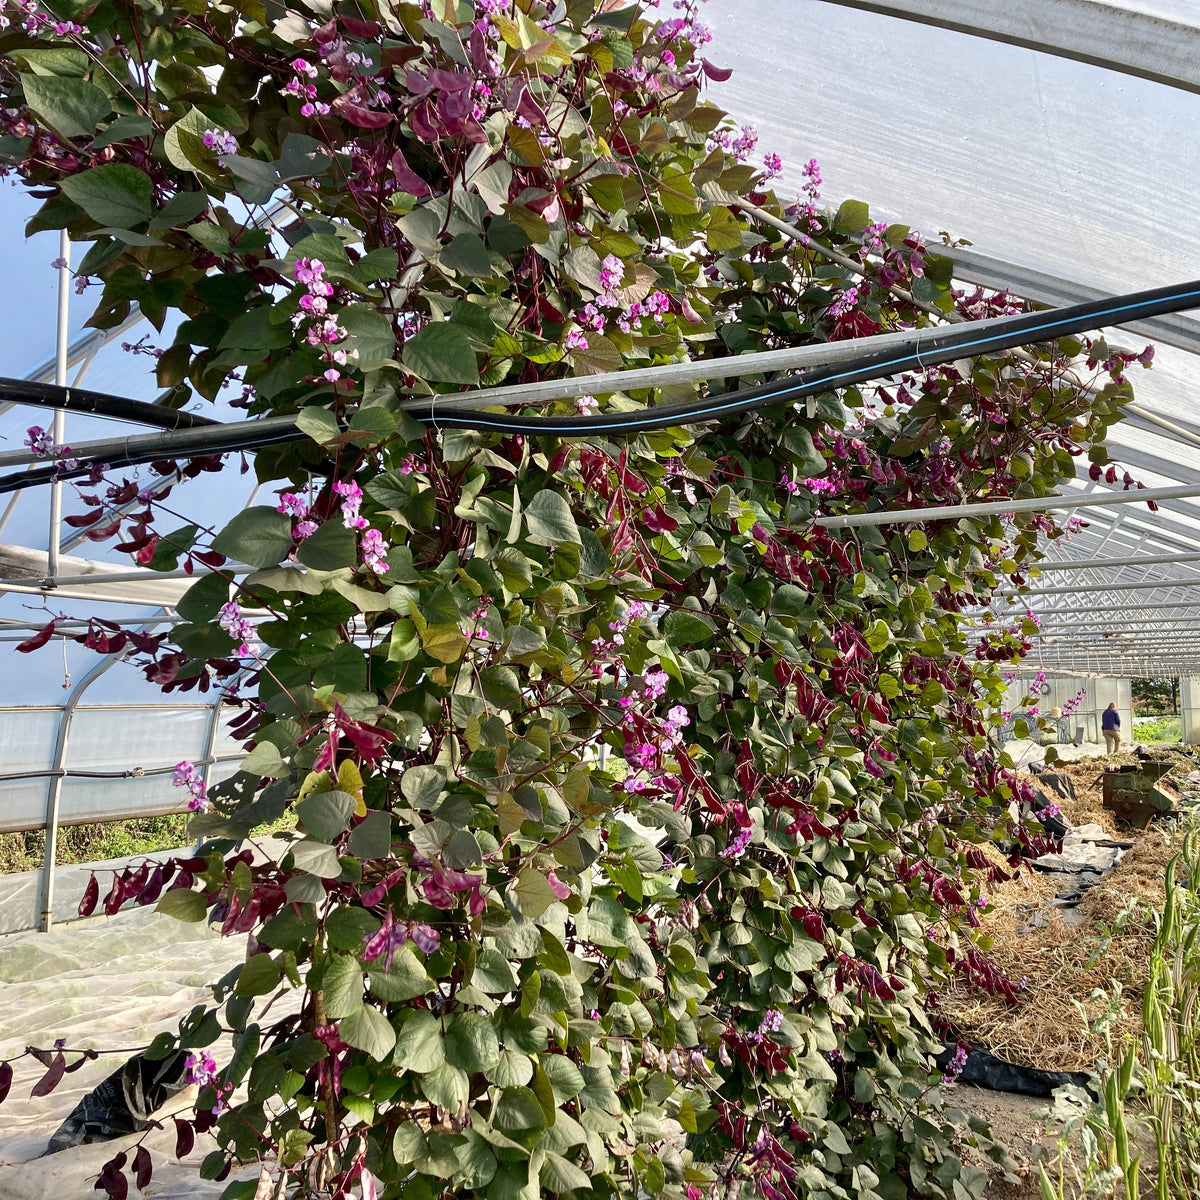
<point x="100" y="404"/>
<point x="943" y="345"/>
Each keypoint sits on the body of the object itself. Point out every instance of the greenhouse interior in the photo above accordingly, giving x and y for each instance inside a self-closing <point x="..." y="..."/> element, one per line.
<point x="974" y="975"/>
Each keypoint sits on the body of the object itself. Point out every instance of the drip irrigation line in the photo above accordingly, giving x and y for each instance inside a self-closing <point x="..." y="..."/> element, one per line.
<point x="131" y="773"/>
<point x="943" y="345"/>
<point x="99" y="404"/>
<point x="940" y="346"/>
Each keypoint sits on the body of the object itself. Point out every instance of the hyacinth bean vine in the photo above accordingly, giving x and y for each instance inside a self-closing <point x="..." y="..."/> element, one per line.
<point x="640" y="817"/>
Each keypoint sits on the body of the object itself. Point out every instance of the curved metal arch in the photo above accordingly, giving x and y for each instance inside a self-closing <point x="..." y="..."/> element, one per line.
<point x="1088" y="31"/>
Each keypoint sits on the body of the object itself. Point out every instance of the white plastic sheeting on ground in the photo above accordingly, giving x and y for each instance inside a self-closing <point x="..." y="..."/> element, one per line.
<point x="107" y="983"/>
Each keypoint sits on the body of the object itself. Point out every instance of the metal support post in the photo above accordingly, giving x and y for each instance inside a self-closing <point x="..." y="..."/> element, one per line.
<point x="59" y="424"/>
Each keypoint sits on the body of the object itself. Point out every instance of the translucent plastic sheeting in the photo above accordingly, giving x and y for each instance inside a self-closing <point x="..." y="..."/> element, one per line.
<point x="29" y="299"/>
<point x="103" y="739"/>
<point x="21" y="892"/>
<point x="1038" y="160"/>
<point x="127" y="374"/>
<point x="110" y="984"/>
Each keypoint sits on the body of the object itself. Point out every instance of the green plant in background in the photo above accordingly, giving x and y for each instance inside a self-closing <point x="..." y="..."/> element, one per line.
<point x="1093" y="1142"/>
<point x="1167" y="730"/>
<point x="1169" y="1017"/>
<point x="514" y="970"/>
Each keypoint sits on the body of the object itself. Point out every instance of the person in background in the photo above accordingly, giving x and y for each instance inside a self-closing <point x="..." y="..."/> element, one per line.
<point x="1110" y="723"/>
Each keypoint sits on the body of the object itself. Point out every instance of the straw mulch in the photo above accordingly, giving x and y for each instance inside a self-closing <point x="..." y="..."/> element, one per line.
<point x="1072" y="1014"/>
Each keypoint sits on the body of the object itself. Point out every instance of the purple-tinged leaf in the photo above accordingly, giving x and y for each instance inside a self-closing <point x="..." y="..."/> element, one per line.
<point x="52" y="1077"/>
<point x="91" y="894"/>
<point x="185" y="1138"/>
<point x="360" y="29"/>
<point x="6" y="1074"/>
<point x="143" y="1168"/>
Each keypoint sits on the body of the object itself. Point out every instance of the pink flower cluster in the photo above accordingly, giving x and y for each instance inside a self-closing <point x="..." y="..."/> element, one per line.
<point x="202" y="1071"/>
<point x="737" y="845"/>
<point x="241" y="630"/>
<point x="373" y="548"/>
<point x="324" y="331"/>
<point x="296" y="506"/>
<point x="35" y="22"/>
<point x="654" y="306"/>
<point x="845" y="304"/>
<point x="804" y="210"/>
<point x="617" y="627"/>
<point x="741" y="143"/>
<point x="611" y="271"/>
<point x="352" y="496"/>
<point x="657" y="736"/>
<point x="478" y="615"/>
<point x="220" y="141"/>
<point x="301" y="86"/>
<point x="185" y="775"/>
<point x="688" y="29"/>
<point x="374" y="551"/>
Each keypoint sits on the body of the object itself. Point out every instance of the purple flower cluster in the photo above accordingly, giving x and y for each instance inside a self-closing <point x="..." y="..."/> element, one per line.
<point x="737" y="846"/>
<point x="185" y="775"/>
<point x="241" y="630"/>
<point x="771" y="1022"/>
<point x="804" y="210"/>
<point x="392" y="935"/>
<point x="324" y="331"/>
<point x="954" y="1068"/>
<point x="42" y="443"/>
<point x="741" y="143"/>
<point x="295" y="506"/>
<point x="654" y="306"/>
<point x="38" y="23"/>
<point x="202" y="1071"/>
<point x="220" y="141"/>
<point x="301" y="86"/>
<point x="687" y="28"/>
<point x="845" y="304"/>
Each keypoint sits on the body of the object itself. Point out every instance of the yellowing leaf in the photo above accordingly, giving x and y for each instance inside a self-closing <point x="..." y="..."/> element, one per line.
<point x="350" y="780"/>
<point x="315" y="782"/>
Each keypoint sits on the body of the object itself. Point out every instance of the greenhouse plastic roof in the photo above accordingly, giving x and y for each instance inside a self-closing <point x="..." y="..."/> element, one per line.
<point x="1064" y="180"/>
<point x="1069" y="180"/>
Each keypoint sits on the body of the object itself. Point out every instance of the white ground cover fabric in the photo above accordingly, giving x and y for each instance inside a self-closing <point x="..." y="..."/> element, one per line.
<point x="104" y="984"/>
